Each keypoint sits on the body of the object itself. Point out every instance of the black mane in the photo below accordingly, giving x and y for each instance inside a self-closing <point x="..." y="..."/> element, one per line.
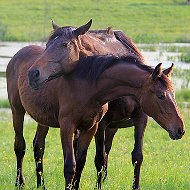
<point x="91" y="67"/>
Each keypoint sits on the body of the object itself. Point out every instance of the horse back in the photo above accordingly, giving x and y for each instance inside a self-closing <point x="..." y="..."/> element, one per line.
<point x="23" y="58"/>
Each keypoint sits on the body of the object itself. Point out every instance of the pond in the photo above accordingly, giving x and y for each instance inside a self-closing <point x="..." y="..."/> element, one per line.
<point x="153" y="53"/>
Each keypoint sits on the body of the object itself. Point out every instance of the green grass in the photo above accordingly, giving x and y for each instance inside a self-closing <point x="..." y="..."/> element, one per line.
<point x="166" y="163"/>
<point x="145" y="21"/>
<point x="2" y="74"/>
<point x="183" y="95"/>
<point x="4" y="103"/>
<point x="185" y="57"/>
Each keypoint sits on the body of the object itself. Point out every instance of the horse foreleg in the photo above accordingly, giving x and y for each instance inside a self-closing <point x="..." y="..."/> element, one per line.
<point x="137" y="155"/>
<point x="67" y="129"/>
<point x="84" y="140"/>
<point x="39" y="146"/>
<point x="19" y="144"/>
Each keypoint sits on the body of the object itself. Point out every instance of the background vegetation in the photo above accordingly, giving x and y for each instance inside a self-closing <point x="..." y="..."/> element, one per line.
<point x="147" y="21"/>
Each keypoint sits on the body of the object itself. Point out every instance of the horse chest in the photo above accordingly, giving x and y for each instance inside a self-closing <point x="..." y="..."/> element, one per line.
<point x="42" y="109"/>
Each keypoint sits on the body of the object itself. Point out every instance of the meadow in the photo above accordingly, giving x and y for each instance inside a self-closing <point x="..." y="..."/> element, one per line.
<point x="166" y="163"/>
<point x="145" y="21"/>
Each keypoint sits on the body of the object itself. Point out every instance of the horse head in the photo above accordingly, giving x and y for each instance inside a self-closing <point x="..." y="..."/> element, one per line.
<point x="158" y="101"/>
<point x="60" y="55"/>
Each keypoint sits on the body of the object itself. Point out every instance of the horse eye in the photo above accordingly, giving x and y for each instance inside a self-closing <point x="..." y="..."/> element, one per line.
<point x="161" y="96"/>
<point x="64" y="44"/>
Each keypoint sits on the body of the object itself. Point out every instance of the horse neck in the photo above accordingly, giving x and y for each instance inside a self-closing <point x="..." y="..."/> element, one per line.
<point x="121" y="80"/>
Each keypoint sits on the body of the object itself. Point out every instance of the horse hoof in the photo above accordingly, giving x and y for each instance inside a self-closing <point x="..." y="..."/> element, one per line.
<point x="20" y="182"/>
<point x="104" y="176"/>
<point x="44" y="188"/>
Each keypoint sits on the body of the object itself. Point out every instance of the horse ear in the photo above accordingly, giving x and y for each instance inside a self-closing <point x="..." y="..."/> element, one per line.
<point x="82" y="29"/>
<point x="55" y="26"/>
<point x="157" y="71"/>
<point x="110" y="31"/>
<point x="168" y="71"/>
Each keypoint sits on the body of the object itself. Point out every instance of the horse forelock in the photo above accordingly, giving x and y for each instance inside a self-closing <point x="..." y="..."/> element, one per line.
<point x="166" y="82"/>
<point x="66" y="31"/>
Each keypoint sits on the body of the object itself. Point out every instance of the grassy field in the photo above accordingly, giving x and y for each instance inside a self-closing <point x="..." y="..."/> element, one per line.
<point x="147" y="21"/>
<point x="166" y="163"/>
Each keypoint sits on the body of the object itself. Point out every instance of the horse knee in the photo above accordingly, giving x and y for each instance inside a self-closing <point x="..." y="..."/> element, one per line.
<point x="19" y="146"/>
<point x="38" y="151"/>
<point x="137" y="157"/>
<point x="69" y="172"/>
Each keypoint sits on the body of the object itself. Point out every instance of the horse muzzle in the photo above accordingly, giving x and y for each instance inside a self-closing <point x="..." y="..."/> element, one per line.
<point x="178" y="134"/>
<point x="34" y="78"/>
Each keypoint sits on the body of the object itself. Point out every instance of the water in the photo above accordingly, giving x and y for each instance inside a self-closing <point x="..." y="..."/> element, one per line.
<point x="3" y="88"/>
<point x="162" y="55"/>
<point x="8" y="49"/>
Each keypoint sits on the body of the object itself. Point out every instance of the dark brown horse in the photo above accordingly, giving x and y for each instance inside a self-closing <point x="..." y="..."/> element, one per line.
<point x="68" y="49"/>
<point x="75" y="101"/>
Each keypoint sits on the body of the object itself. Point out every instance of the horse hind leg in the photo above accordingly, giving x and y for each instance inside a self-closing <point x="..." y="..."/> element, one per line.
<point x="100" y="152"/>
<point x="103" y="140"/>
<point x="19" y="144"/>
<point x="39" y="146"/>
<point x="109" y="135"/>
<point x="137" y="155"/>
<point x="84" y="140"/>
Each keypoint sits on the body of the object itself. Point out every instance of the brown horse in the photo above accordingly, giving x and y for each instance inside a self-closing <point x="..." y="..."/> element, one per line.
<point x="76" y="44"/>
<point x="75" y="101"/>
<point x="69" y="49"/>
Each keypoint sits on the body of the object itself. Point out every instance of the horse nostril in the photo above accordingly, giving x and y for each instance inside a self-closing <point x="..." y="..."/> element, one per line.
<point x="35" y="73"/>
<point x="181" y="131"/>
